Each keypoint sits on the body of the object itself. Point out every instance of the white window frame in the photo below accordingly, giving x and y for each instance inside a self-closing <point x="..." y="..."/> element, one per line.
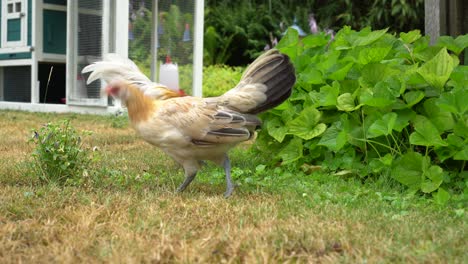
<point x="23" y="15"/>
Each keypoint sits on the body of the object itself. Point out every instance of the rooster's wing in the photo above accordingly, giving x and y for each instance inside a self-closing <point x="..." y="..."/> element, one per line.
<point x="206" y="122"/>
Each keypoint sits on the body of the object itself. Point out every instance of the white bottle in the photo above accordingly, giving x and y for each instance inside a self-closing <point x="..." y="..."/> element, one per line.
<point x="169" y="74"/>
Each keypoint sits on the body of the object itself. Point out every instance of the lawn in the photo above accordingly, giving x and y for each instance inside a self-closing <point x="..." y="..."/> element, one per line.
<point x="127" y="211"/>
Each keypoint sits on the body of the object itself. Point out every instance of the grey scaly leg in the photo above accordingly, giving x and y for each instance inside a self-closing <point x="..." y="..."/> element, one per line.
<point x="187" y="181"/>
<point x="227" y="170"/>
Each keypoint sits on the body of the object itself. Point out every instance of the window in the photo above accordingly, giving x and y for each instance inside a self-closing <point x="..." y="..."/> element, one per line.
<point x="14" y="23"/>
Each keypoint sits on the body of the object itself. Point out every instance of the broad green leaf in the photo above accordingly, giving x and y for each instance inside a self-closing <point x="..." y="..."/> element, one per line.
<point x="449" y="43"/>
<point x="413" y="78"/>
<point x="302" y="62"/>
<point x="345" y="102"/>
<point x="334" y="137"/>
<point x="305" y="125"/>
<point x="434" y="177"/>
<point x="411" y="36"/>
<point x="373" y="73"/>
<point x="407" y="169"/>
<point x="444" y="153"/>
<point x="441" y="197"/>
<point x="387" y="159"/>
<point x="455" y="102"/>
<point x="289" y="43"/>
<point x="462" y="41"/>
<point x="288" y="114"/>
<point x="441" y="118"/>
<point x="327" y="62"/>
<point x="365" y="38"/>
<point x="315" y="40"/>
<point x="378" y="164"/>
<point x="373" y="54"/>
<point x="455" y="141"/>
<point x="403" y="118"/>
<point x="462" y="154"/>
<point x="386" y="88"/>
<point x="311" y="76"/>
<point x="292" y="151"/>
<point x="340" y="73"/>
<point x="456" y="45"/>
<point x="413" y="97"/>
<point x="367" y="97"/>
<point x="291" y="38"/>
<point x="276" y="129"/>
<point x="461" y="129"/>
<point x="341" y="41"/>
<point x="394" y="85"/>
<point x="382" y="126"/>
<point x="437" y="71"/>
<point x="283" y="106"/>
<point x="328" y="94"/>
<point x="421" y="44"/>
<point x="425" y="134"/>
<point x="459" y="78"/>
<point x="426" y="54"/>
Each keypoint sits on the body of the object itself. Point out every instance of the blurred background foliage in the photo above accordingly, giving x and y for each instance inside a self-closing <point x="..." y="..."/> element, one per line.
<point x="238" y="31"/>
<point x="173" y="20"/>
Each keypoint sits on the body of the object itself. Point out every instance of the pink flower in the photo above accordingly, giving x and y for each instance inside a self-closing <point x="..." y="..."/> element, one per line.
<point x="313" y="24"/>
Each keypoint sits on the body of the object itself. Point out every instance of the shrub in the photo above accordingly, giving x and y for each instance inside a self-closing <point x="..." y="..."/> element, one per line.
<point x="218" y="79"/>
<point x="59" y="155"/>
<point x="371" y="103"/>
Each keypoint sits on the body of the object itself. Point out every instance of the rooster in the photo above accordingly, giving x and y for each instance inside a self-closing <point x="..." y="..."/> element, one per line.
<point x="189" y="129"/>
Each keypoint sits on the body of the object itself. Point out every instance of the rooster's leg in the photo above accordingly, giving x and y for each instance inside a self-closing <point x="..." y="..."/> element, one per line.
<point x="227" y="170"/>
<point x="188" y="179"/>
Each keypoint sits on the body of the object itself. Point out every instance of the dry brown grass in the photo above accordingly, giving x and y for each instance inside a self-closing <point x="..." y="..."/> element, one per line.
<point x="125" y="224"/>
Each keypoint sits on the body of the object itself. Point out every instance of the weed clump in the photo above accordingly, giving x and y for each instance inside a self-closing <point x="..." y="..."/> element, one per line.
<point x="59" y="155"/>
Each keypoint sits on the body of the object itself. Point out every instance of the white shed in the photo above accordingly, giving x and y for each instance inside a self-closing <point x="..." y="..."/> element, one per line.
<point x="45" y="44"/>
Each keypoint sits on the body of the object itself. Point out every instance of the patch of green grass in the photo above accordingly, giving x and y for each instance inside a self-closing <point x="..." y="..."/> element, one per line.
<point x="127" y="209"/>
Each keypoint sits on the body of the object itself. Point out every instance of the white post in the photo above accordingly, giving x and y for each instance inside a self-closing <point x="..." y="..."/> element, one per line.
<point x="34" y="65"/>
<point x="154" y="41"/>
<point x="37" y="37"/>
<point x="106" y="27"/>
<point x="198" y="49"/>
<point x="121" y="32"/>
<point x="121" y="28"/>
<point x="72" y="7"/>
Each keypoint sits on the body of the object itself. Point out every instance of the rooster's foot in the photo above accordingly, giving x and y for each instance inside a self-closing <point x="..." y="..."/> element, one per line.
<point x="187" y="181"/>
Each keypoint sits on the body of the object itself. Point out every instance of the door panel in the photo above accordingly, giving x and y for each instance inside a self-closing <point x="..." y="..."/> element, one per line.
<point x="86" y="45"/>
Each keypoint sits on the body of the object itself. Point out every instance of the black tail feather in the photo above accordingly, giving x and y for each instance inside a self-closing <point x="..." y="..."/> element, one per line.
<point x="276" y="72"/>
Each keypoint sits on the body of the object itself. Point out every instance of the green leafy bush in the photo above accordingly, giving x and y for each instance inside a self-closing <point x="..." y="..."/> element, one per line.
<point x="218" y="79"/>
<point x="371" y="103"/>
<point x="59" y="155"/>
